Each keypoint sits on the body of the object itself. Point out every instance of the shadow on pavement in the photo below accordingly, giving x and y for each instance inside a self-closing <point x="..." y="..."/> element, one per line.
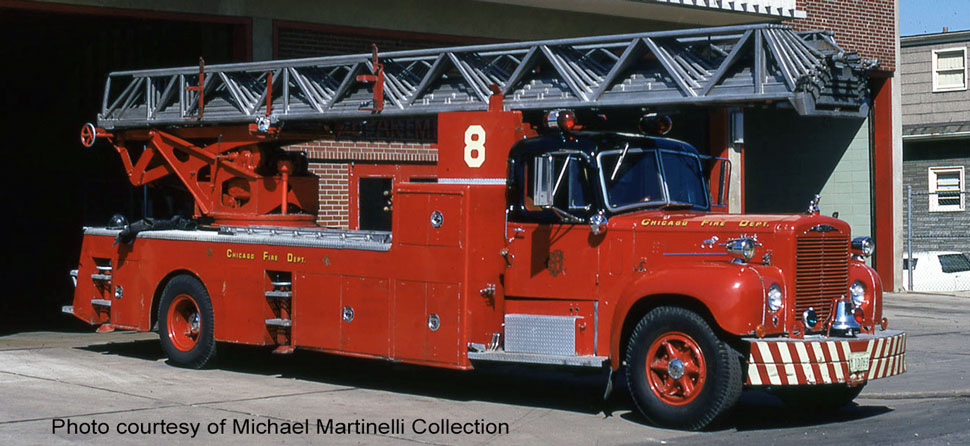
<point x="579" y="392"/>
<point x="526" y="386"/>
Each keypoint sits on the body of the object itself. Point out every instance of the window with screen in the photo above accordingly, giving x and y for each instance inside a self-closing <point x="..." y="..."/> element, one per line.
<point x="950" y="69"/>
<point x="946" y="188"/>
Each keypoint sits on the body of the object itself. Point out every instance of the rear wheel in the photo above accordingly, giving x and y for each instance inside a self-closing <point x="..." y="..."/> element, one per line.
<point x="185" y="323"/>
<point x="680" y="374"/>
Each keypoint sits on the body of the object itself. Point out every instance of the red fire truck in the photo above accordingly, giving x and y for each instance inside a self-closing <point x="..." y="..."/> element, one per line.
<point x="542" y="239"/>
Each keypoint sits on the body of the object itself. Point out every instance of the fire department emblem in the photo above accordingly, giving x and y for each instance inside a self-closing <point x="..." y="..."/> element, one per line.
<point x="555" y="262"/>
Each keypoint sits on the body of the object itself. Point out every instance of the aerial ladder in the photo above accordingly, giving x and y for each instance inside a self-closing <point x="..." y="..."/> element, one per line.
<point x="222" y="129"/>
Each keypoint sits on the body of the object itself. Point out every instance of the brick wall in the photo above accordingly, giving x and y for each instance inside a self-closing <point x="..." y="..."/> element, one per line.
<point x="332" y="161"/>
<point x="867" y="27"/>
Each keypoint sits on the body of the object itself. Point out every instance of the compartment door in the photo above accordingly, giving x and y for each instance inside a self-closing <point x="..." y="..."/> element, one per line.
<point x="364" y="316"/>
<point x="316" y="311"/>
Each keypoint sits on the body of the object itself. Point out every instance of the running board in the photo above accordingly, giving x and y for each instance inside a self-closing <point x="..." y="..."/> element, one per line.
<point x="533" y="358"/>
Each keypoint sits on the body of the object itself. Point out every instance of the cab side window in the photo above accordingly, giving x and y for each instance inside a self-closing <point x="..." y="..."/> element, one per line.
<point x="572" y="179"/>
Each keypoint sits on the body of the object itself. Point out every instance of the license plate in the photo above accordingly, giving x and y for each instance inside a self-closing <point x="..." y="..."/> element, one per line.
<point x="858" y="362"/>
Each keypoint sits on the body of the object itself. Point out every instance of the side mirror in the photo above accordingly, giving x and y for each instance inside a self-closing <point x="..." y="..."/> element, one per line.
<point x="543" y="186"/>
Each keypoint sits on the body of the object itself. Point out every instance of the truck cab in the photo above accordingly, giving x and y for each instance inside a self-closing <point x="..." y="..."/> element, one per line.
<point x="613" y="251"/>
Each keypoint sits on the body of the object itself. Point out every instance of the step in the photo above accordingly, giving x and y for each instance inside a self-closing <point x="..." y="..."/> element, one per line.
<point x="101" y="302"/>
<point x="536" y="358"/>
<point x="277" y="322"/>
<point x="103" y="277"/>
<point x="279" y="294"/>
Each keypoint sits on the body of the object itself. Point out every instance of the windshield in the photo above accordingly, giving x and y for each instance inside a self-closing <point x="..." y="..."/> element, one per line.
<point x="634" y="177"/>
<point x="954" y="263"/>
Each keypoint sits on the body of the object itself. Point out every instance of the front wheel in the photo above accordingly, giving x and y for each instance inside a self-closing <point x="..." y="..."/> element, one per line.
<point x="185" y="323"/>
<point x="680" y="374"/>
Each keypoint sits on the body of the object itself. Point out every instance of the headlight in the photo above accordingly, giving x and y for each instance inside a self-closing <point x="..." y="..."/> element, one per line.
<point x="858" y="293"/>
<point x="741" y="249"/>
<point x="775" y="298"/>
<point x="863" y="246"/>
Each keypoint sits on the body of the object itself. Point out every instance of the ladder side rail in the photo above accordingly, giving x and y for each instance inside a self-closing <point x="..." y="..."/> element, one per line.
<point x="580" y="42"/>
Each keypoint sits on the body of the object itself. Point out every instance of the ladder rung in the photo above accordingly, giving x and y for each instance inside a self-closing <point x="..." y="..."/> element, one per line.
<point x="277" y="322"/>
<point x="103" y="268"/>
<point x="101" y="302"/>
<point x="281" y="284"/>
<point x="104" y="277"/>
<point x="280" y="294"/>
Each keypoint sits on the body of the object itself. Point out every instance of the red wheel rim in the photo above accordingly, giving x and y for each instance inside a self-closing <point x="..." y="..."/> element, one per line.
<point x="184" y="324"/>
<point x="88" y="135"/>
<point x="675" y="368"/>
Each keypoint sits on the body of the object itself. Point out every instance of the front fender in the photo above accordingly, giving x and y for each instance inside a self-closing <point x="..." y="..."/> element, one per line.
<point x="733" y="294"/>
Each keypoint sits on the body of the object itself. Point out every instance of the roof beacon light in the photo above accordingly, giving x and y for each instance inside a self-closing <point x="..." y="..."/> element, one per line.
<point x="564" y="120"/>
<point x="655" y="124"/>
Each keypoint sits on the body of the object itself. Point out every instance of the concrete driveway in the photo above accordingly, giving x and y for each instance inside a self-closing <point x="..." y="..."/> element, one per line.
<point x="67" y="387"/>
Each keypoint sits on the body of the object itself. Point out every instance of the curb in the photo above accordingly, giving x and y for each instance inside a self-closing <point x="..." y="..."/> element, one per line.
<point x="917" y="395"/>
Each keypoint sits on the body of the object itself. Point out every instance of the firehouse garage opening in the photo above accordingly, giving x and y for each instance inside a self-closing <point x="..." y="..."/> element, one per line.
<point x="789" y="158"/>
<point x="53" y="79"/>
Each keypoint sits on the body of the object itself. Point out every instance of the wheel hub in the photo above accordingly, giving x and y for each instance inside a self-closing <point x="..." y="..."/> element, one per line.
<point x="194" y="325"/>
<point x="675" y="369"/>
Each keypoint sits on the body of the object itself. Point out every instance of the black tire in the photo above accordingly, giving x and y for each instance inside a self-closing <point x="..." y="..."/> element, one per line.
<point x="708" y="362"/>
<point x="820" y="397"/>
<point x="185" y="323"/>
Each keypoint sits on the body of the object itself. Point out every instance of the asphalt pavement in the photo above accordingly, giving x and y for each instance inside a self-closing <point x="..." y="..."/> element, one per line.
<point x="116" y="388"/>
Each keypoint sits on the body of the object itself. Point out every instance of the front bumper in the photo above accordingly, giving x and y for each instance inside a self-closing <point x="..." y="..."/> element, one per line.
<point x="825" y="360"/>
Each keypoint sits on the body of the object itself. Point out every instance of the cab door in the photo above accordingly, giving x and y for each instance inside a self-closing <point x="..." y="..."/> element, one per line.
<point x="555" y="255"/>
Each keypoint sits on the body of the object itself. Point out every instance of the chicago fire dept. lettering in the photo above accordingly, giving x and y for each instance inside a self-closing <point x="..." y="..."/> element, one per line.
<point x="651" y="222"/>
<point x="239" y="255"/>
<point x="267" y="256"/>
<point x="752" y="224"/>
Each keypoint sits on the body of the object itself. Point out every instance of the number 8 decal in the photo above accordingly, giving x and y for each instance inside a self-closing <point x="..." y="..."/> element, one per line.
<point x="475" y="146"/>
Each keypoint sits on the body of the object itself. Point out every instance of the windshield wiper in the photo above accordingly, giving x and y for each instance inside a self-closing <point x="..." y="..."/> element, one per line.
<point x="626" y="148"/>
<point x="677" y="205"/>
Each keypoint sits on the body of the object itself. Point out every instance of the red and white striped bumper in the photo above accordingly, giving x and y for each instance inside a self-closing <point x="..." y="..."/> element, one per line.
<point x="821" y="360"/>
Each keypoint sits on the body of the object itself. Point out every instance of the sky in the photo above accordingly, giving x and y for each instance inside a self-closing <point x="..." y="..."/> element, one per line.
<point x="930" y="16"/>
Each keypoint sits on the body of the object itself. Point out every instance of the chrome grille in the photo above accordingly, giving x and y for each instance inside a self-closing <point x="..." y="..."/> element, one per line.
<point x="821" y="273"/>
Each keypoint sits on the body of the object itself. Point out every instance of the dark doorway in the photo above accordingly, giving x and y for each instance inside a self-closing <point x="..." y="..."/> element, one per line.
<point x="54" y="71"/>
<point x="375" y="204"/>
